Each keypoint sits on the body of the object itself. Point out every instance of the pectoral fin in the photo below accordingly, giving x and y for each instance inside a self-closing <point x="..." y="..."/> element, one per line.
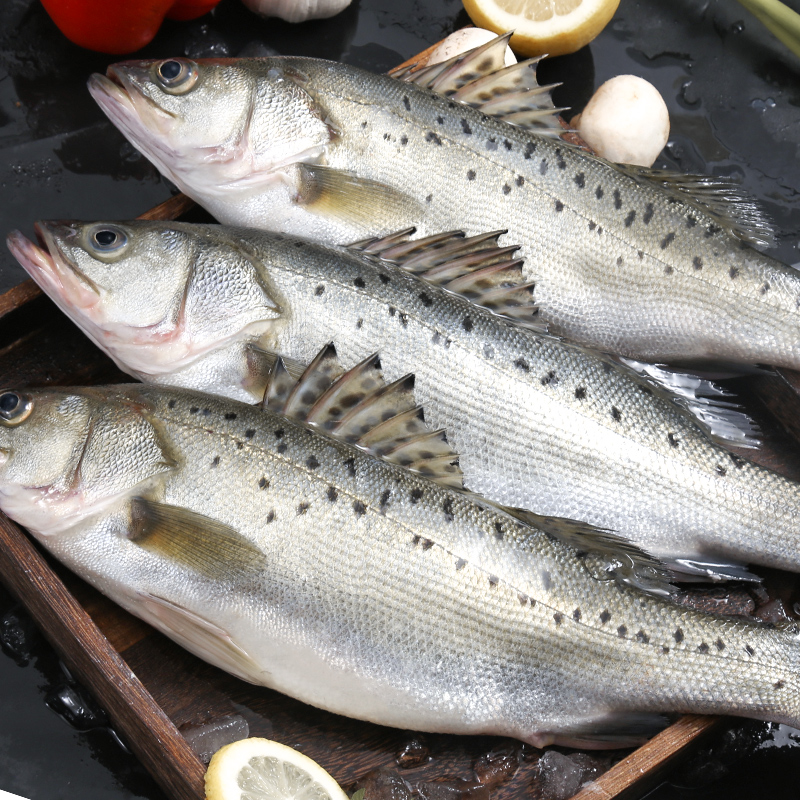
<point x="199" y="636"/>
<point x="357" y="201"/>
<point x="193" y="540"/>
<point x="613" y="730"/>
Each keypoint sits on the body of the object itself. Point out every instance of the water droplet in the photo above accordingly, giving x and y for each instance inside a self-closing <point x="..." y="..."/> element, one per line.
<point x="763" y="105"/>
<point x="737" y="27"/>
<point x="687" y="96"/>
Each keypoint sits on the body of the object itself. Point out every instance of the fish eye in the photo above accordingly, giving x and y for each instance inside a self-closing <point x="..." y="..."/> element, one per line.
<point x="14" y="407"/>
<point x="107" y="240"/>
<point x="176" y="75"/>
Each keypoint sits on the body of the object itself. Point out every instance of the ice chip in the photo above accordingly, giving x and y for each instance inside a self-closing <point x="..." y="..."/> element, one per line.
<point x="207" y="737"/>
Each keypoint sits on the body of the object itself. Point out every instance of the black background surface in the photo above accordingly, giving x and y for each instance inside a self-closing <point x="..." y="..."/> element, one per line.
<point x="734" y="98"/>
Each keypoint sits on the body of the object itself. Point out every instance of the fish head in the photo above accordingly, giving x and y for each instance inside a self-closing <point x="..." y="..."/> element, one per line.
<point x="67" y="453"/>
<point x="155" y="296"/>
<point x="215" y="126"/>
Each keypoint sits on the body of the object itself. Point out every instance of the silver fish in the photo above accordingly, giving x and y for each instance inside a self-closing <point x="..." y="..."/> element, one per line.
<point x="646" y="264"/>
<point x="302" y="563"/>
<point x="539" y="424"/>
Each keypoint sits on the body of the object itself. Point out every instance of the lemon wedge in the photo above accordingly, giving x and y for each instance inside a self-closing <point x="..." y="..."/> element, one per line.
<point x="552" y="27"/>
<point x="260" y="769"/>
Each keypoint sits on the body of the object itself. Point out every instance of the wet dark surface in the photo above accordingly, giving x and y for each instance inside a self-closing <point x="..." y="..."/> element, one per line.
<point x="734" y="98"/>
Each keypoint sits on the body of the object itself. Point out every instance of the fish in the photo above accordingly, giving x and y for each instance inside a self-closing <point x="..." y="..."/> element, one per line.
<point x="651" y="265"/>
<point x="290" y="544"/>
<point x="539" y="423"/>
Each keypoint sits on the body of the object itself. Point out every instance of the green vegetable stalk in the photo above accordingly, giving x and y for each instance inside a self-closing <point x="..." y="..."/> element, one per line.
<point x="779" y="19"/>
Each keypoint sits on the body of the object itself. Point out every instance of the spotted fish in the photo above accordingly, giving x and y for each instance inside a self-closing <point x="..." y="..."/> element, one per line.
<point x="287" y="547"/>
<point x="650" y="265"/>
<point x="539" y="424"/>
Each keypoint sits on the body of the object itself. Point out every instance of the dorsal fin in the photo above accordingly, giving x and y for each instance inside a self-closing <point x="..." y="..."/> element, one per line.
<point x="357" y="406"/>
<point x="479" y="78"/>
<point x="730" y="205"/>
<point x="475" y="267"/>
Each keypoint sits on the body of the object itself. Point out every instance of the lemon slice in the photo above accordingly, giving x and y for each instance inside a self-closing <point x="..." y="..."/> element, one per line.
<point x="260" y="769"/>
<point x="552" y="27"/>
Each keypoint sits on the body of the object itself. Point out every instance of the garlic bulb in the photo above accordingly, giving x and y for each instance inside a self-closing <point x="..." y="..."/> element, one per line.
<point x="297" y="10"/>
<point x="463" y="40"/>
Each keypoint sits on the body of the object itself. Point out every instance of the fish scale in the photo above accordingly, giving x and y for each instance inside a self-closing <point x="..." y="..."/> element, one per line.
<point x="538" y="423"/>
<point x="428" y="611"/>
<point x="641" y="263"/>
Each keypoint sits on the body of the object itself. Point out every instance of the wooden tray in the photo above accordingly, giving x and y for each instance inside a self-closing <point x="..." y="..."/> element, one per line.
<point x="151" y="688"/>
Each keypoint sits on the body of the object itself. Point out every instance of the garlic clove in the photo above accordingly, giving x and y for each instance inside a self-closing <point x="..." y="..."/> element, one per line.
<point x="463" y="40"/>
<point x="626" y="121"/>
<point x="297" y="10"/>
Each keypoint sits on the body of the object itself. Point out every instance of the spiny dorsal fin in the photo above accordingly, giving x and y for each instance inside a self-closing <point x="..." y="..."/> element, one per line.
<point x="357" y="406"/>
<point x="721" y="419"/>
<point x="730" y="205"/>
<point x="479" y="78"/>
<point x="609" y="553"/>
<point x="475" y="267"/>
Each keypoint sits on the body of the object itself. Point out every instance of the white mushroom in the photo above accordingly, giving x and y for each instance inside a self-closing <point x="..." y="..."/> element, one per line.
<point x="297" y="10"/>
<point x="463" y="40"/>
<point x="625" y="121"/>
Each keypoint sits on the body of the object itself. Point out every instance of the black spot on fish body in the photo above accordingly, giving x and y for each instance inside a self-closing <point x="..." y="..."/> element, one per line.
<point x="737" y="460"/>
<point x="530" y="149"/>
<point x="416" y="540"/>
<point x="580" y="393"/>
<point x="721" y="470"/>
<point x="765" y="287"/>
<point x="460" y="564"/>
<point x="543" y="167"/>
<point x="364" y="124"/>
<point x="359" y="508"/>
<point x="404" y="319"/>
<point x="630" y="218"/>
<point x="415" y="496"/>
<point x="720" y="645"/>
<point x="506" y="189"/>
<point x="592" y="225"/>
<point x="519" y="180"/>
<point x="302" y="508"/>
<point x="384" y="278"/>
<point x="642" y="637"/>
<point x="312" y="462"/>
<point x="440" y="120"/>
<point x="465" y="127"/>
<point x="319" y="290"/>
<point x="678" y="636"/>
<point x="333" y="494"/>
<point x="702" y="647"/>
<point x="432" y="137"/>
<point x="447" y="507"/>
<point x="599" y="230"/>
<point x="605" y="616"/>
<point x="561" y="163"/>
<point x="620" y="261"/>
<point x="617" y="199"/>
<point x="668" y="270"/>
<point x="498" y="531"/>
<point x="351" y="467"/>
<point x="428" y="198"/>
<point x="691" y="221"/>
<point x="467" y="324"/>
<point x="427" y="544"/>
<point x="407" y="103"/>
<point x="697" y="262"/>
<point x="580" y="180"/>
<point x="250" y="433"/>
<point x="215" y="462"/>
<point x="271" y="516"/>
<point x="559" y="205"/>
<point x="558" y="617"/>
<point x="598" y="192"/>
<point x="426" y="301"/>
<point x="667" y="240"/>
<point x="384" y="499"/>
<point x="749" y="650"/>
<point x="278" y="433"/>
<point x="522" y="364"/>
<point x="523" y="598"/>
<point x="404" y="140"/>
<point x="470" y="174"/>
<point x="711" y="230"/>
<point x="640" y="253"/>
<point x="193" y="410"/>
<point x="491" y="143"/>
<point x="387" y="137"/>
<point x="576" y="615"/>
<point x="206" y="412"/>
<point x="648" y="213"/>
<point x="282" y="448"/>
<point x="263" y="483"/>
<point x="778" y="685"/>
<point x="622" y="631"/>
<point x="392" y="311"/>
<point x="359" y="323"/>
<point x="664" y="649"/>
<point x="615" y="414"/>
<point x="733" y="272"/>
<point x="359" y="283"/>
<point x="171" y="404"/>
<point x="549" y="378"/>
<point x="508" y="145"/>
<point x="673" y="439"/>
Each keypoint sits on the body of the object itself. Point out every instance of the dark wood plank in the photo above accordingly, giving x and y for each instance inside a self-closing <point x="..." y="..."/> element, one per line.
<point x="146" y="728"/>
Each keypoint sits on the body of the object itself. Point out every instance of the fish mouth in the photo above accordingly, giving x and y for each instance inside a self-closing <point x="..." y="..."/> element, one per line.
<point x="56" y="274"/>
